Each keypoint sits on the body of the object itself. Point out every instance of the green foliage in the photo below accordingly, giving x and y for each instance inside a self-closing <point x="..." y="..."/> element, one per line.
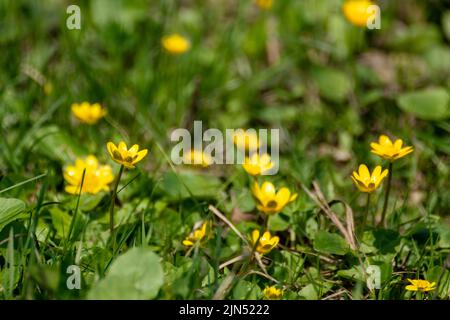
<point x="428" y="104"/>
<point x="329" y="86"/>
<point x="330" y="243"/>
<point x="137" y="274"/>
<point x="10" y="210"/>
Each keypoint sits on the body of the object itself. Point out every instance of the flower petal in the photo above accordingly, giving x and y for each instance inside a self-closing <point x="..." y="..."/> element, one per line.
<point x="134" y="149"/>
<point x="356" y="175"/>
<point x="255" y="236"/>
<point x="376" y="173"/>
<point x="364" y="172"/>
<point x="256" y="191"/>
<point x="72" y="189"/>
<point x="384" y="140"/>
<point x="282" y="197"/>
<point x="111" y="148"/>
<point x="398" y="144"/>
<point x="383" y="174"/>
<point x="268" y="189"/>
<point x="122" y="146"/>
<point x="140" y="155"/>
<point x="411" y="287"/>
<point x="405" y="151"/>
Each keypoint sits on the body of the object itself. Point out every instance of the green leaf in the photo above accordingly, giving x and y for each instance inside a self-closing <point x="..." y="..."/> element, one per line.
<point x="180" y="186"/>
<point x="137" y="274"/>
<point x="444" y="236"/>
<point x="245" y="290"/>
<point x="244" y="199"/>
<point x="438" y="58"/>
<point x="330" y="243"/>
<point x="46" y="276"/>
<point x="384" y="262"/>
<point x="56" y="144"/>
<point x="279" y="114"/>
<point x="354" y="273"/>
<point x="314" y="291"/>
<point x="416" y="38"/>
<point x="333" y="84"/>
<point x="89" y="202"/>
<point x="10" y="210"/>
<point x="311" y="228"/>
<point x="278" y="223"/>
<point x="427" y="104"/>
<point x="436" y="273"/>
<point x="380" y="240"/>
<point x="446" y="23"/>
<point x="121" y="12"/>
<point x="60" y="221"/>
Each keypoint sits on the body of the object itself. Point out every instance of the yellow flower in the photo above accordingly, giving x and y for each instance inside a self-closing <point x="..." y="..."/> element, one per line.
<point x="266" y="243"/>
<point x="96" y="179"/>
<point x="246" y="140"/>
<point x="176" y="44"/>
<point x="197" y="158"/>
<point x="48" y="88"/>
<point x="264" y="4"/>
<point x="389" y="150"/>
<point x="272" y="293"/>
<point x="269" y="201"/>
<point x="88" y="113"/>
<point x="124" y="156"/>
<point x="420" y="285"/>
<point x="197" y="235"/>
<point x="356" y="11"/>
<point x="256" y="165"/>
<point x="367" y="182"/>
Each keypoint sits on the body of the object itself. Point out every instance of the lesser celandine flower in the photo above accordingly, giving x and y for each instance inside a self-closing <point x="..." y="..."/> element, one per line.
<point x="197" y="158"/>
<point x="357" y="11"/>
<point x="88" y="113"/>
<point x="246" y="140"/>
<point x="175" y="44"/>
<point x="366" y="181"/>
<point x="48" y="88"/>
<point x="420" y="285"/>
<point x="265" y="243"/>
<point x="389" y="150"/>
<point x="272" y="293"/>
<point x="96" y="178"/>
<point x="124" y="156"/>
<point x="197" y="235"/>
<point x="256" y="165"/>
<point x="264" y="4"/>
<point x="270" y="201"/>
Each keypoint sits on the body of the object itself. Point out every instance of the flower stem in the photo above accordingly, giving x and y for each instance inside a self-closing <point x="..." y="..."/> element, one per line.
<point x="386" y="196"/>
<point x="111" y="208"/>
<point x="266" y="222"/>
<point x="367" y="211"/>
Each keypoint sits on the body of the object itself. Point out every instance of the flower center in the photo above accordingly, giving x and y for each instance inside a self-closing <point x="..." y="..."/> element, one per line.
<point x="272" y="204"/>
<point x="117" y="155"/>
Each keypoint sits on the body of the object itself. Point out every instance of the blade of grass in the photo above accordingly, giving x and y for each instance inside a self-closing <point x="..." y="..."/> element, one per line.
<point x="23" y="182"/>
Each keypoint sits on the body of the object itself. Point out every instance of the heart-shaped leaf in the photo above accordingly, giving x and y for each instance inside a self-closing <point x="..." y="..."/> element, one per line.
<point x="137" y="274"/>
<point x="10" y="210"/>
<point x="331" y="243"/>
<point x="427" y="104"/>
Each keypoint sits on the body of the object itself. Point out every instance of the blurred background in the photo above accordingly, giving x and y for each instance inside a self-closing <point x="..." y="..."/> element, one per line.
<point x="302" y="66"/>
